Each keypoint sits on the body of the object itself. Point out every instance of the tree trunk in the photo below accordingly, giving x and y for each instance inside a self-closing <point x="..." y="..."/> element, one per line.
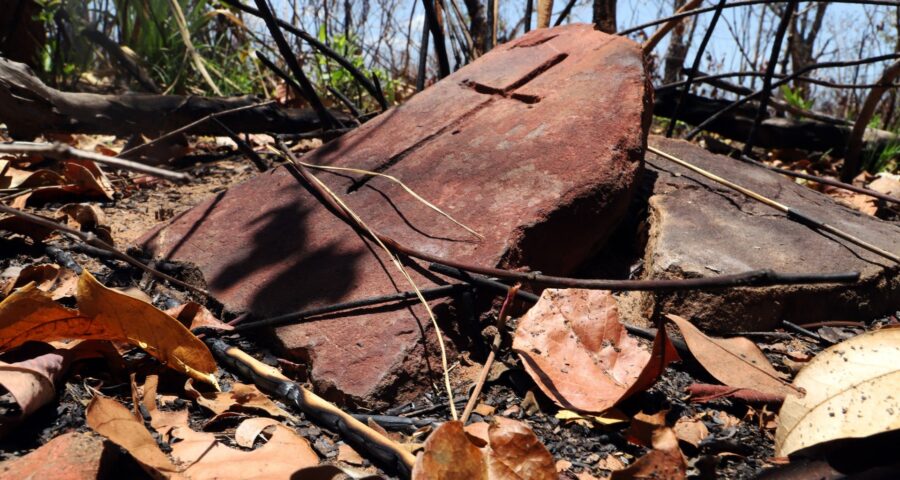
<point x="477" y="24"/>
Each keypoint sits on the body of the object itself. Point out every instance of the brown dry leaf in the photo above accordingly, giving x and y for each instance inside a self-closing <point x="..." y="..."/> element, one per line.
<point x="281" y="457"/>
<point x="857" y="201"/>
<point x="193" y="315"/>
<point x="31" y="384"/>
<point x="611" y="463"/>
<point x="242" y="399"/>
<point x="736" y="362"/>
<point x="664" y="461"/>
<point x="512" y="452"/>
<point x="851" y="392"/>
<point x="48" y="277"/>
<point x="640" y="432"/>
<point x="162" y="421"/>
<point x="246" y="433"/>
<point x="114" y="421"/>
<point x="691" y="430"/>
<point x="104" y="314"/>
<point x="20" y="226"/>
<point x="575" y="349"/>
<point x="87" y="218"/>
<point x="348" y="455"/>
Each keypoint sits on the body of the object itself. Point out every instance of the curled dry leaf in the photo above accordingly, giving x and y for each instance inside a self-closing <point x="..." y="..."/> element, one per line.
<point x="702" y="392"/>
<point x="851" y="392"/>
<point x="512" y="451"/>
<point x="205" y="458"/>
<point x="114" y="421"/>
<point x="691" y="430"/>
<point x="193" y="315"/>
<point x="575" y="349"/>
<point x="59" y="282"/>
<point x="249" y="429"/>
<point x="664" y="461"/>
<point x="104" y="314"/>
<point x="87" y="218"/>
<point x="736" y="362"/>
<point x="31" y="384"/>
<point x="242" y="398"/>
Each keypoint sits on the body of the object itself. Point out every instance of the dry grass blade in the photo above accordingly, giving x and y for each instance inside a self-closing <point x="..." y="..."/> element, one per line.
<point x="189" y="45"/>
<point x="403" y="186"/>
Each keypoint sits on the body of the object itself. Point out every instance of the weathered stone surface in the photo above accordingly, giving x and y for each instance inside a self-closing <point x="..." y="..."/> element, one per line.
<point x="699" y="229"/>
<point x="535" y="145"/>
<point x="70" y="456"/>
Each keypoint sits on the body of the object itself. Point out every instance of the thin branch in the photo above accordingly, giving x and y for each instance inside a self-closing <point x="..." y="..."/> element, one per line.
<point x="94" y="241"/>
<point x="696" y="65"/>
<point x="290" y="59"/>
<point x="325" y="49"/>
<point x="61" y="151"/>
<point x="191" y="125"/>
<point x="792" y="213"/>
<point x="761" y="112"/>
<point x="303" y="315"/>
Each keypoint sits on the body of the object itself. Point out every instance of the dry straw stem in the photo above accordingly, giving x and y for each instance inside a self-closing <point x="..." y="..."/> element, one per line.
<point x="189" y="45"/>
<point x="396" y="180"/>
<point x="359" y="221"/>
<point x="482" y="377"/>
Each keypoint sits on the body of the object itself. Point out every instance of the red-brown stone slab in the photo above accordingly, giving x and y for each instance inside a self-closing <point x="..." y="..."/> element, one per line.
<point x="70" y="456"/>
<point x="535" y="145"/>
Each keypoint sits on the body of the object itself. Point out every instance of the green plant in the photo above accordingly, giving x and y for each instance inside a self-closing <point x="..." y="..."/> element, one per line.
<point x="795" y="98"/>
<point x="331" y="74"/>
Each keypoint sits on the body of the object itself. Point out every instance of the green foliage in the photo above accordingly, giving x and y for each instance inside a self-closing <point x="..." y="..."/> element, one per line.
<point x="795" y="98"/>
<point x="332" y="74"/>
<point x="149" y="29"/>
<point x="884" y="160"/>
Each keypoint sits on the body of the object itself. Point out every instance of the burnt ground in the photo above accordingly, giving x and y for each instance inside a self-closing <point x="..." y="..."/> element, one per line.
<point x="740" y="441"/>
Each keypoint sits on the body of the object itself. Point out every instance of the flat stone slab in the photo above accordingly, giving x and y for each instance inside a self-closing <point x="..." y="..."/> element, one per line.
<point x="536" y="145"/>
<point x="700" y="229"/>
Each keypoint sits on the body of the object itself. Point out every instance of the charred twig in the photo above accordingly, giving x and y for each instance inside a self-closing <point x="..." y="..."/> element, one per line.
<point x="816" y="81"/>
<point x="744" y="3"/>
<point x="808" y="333"/>
<point x="786" y="16"/>
<point x="855" y="142"/>
<point x="690" y="78"/>
<point x="791" y="213"/>
<point x="246" y="149"/>
<point x="379" y="447"/>
<point x="824" y="181"/>
<point x="94" y="241"/>
<point x="325" y="49"/>
<point x="291" y="60"/>
<point x="737" y="103"/>
<point x="565" y="13"/>
<point x="393" y="422"/>
<point x="495" y="347"/>
<point x="440" y="49"/>
<point x="297" y="317"/>
<point x="346" y="101"/>
<point x="423" y="55"/>
<point x="61" y="151"/>
<point x="195" y="123"/>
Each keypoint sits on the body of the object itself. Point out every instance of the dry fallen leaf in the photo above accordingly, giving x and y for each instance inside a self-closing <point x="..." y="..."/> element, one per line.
<point x="114" y="421"/>
<point x="87" y="218"/>
<point x="193" y="315"/>
<point x="665" y="461"/>
<point x="642" y="427"/>
<point x="247" y="432"/>
<point x="511" y="452"/>
<point x="851" y="392"/>
<point x="242" y="398"/>
<point x="31" y="384"/>
<point x="105" y="314"/>
<point x="206" y="458"/>
<point x="736" y="362"/>
<point x="60" y="282"/>
<point x="690" y="430"/>
<point x="575" y="349"/>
